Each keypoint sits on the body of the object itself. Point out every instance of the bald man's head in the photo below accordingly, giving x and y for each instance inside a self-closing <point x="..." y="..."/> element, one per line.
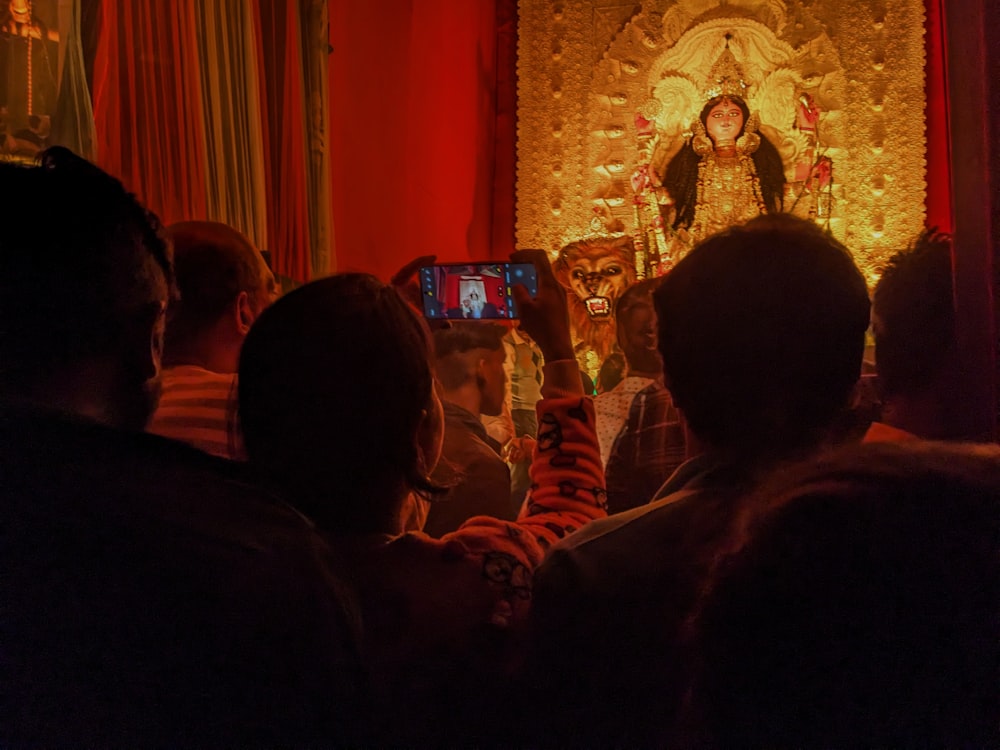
<point x="215" y="264"/>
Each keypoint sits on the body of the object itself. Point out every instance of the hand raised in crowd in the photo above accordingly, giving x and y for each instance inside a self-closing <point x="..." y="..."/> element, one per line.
<point x="406" y="282"/>
<point x="519" y="449"/>
<point x="546" y="317"/>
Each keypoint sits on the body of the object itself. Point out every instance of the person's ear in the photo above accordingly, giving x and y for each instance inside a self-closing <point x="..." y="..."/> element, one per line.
<point x="244" y="313"/>
<point x="481" y="373"/>
<point x="144" y="339"/>
<point x="430" y="435"/>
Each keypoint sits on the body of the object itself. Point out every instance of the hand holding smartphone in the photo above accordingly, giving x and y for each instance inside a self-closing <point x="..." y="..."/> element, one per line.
<point x="474" y="291"/>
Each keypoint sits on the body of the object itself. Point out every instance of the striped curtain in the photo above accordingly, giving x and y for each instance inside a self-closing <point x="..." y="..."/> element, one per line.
<point x="232" y="123"/>
<point x="204" y="108"/>
<point x="147" y="104"/>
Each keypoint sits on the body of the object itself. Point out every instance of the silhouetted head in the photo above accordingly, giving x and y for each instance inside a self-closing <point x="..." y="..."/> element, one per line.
<point x="472" y="354"/>
<point x="85" y="277"/>
<point x="337" y="401"/>
<point x="636" y="321"/>
<point x="859" y="606"/>
<point x="223" y="282"/>
<point x="762" y="331"/>
<point x="913" y="316"/>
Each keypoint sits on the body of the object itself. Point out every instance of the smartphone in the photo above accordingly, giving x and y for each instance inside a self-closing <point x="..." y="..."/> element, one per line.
<point x="474" y="291"/>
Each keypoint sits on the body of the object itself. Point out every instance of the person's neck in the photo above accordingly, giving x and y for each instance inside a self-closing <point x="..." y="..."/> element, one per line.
<point x="378" y="519"/>
<point x="750" y="455"/>
<point x="58" y="404"/>
<point x="652" y="374"/>
<point x="918" y="413"/>
<point x="88" y="392"/>
<point x="468" y="397"/>
<point x="207" y="353"/>
<point x="693" y="445"/>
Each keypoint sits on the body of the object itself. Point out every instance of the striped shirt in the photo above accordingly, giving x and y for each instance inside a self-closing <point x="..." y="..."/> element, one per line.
<point x="199" y="407"/>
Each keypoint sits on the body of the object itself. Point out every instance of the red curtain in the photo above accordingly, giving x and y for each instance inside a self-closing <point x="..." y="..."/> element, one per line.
<point x="281" y="96"/>
<point x="939" y="202"/>
<point x="147" y="104"/>
<point x="505" y="152"/>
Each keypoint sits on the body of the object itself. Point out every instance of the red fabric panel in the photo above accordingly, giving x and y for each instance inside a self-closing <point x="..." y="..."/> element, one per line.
<point x="505" y="149"/>
<point x="282" y="105"/>
<point x="939" y="200"/>
<point x="412" y="93"/>
<point x="974" y="101"/>
<point x="147" y="104"/>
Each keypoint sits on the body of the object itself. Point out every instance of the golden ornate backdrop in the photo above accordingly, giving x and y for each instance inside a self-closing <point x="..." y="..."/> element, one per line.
<point x="587" y="68"/>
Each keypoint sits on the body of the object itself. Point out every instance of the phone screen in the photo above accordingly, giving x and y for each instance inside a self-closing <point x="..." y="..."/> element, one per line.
<point x="474" y="291"/>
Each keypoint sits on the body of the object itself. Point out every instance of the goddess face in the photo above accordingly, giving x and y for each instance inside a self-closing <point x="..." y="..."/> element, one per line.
<point x="724" y="122"/>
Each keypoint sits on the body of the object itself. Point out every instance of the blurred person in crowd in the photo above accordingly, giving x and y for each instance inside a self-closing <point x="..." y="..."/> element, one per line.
<point x="524" y="375"/>
<point x="469" y="367"/>
<point x="913" y="319"/>
<point x="224" y="285"/>
<point x="761" y="329"/>
<point x="857" y="606"/>
<point x="642" y="440"/>
<point x="151" y="597"/>
<point x="341" y="415"/>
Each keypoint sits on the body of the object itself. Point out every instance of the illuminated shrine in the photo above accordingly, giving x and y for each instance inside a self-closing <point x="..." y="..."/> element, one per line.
<point x="339" y="136"/>
<point x="623" y="88"/>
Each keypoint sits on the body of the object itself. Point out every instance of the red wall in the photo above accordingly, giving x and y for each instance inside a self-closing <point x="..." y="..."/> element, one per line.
<point x="413" y="102"/>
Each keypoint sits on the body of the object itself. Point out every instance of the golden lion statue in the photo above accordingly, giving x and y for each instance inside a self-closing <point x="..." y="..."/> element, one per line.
<point x="595" y="272"/>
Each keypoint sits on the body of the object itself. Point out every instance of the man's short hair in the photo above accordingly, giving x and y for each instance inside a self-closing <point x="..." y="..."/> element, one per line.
<point x="913" y="315"/>
<point x="79" y="257"/>
<point x="460" y="338"/>
<point x="762" y="333"/>
<point x="214" y="264"/>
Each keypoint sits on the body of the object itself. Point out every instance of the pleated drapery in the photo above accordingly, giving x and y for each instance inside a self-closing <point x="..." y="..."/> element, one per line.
<point x="201" y="110"/>
<point x="147" y="104"/>
<point x="73" y="124"/>
<point x="232" y="125"/>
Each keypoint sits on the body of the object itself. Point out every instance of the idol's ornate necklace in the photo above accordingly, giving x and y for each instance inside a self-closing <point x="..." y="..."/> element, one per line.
<point x="728" y="193"/>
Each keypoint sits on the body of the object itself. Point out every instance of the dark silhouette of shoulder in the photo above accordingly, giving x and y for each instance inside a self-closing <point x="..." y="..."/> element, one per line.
<point x="153" y="597"/>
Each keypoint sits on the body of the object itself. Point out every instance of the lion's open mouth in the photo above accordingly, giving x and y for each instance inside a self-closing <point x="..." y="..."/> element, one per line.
<point x="598" y="307"/>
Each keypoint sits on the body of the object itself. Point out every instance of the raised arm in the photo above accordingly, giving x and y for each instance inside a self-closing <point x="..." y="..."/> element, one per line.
<point x="567" y="476"/>
<point x="566" y="471"/>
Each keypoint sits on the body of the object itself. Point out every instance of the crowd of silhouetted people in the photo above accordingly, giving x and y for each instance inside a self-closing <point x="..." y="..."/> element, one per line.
<point x="233" y="517"/>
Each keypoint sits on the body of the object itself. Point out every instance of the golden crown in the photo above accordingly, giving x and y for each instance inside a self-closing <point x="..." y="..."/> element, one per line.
<point x="726" y="76"/>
